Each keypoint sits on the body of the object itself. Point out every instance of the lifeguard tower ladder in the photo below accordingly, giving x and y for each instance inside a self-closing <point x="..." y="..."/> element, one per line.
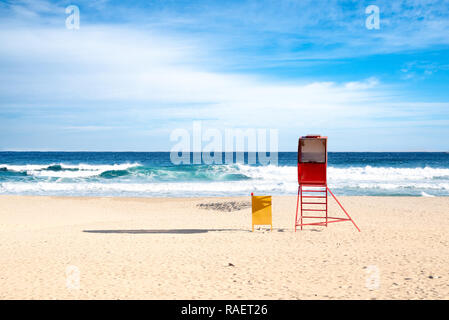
<point x="312" y="200"/>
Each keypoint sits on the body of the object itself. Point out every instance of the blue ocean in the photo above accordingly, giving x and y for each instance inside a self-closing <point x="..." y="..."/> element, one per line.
<point x="152" y="174"/>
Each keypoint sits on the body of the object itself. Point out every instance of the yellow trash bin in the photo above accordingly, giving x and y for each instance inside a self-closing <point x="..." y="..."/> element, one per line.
<point x="261" y="206"/>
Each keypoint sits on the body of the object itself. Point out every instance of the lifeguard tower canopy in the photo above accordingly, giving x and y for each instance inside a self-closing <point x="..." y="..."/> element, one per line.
<point x="312" y="160"/>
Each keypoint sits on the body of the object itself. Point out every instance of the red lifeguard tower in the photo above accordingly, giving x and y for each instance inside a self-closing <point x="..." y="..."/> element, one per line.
<point x="312" y="184"/>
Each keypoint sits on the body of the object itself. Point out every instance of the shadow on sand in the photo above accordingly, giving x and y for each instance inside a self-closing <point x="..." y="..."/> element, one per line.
<point x="163" y="231"/>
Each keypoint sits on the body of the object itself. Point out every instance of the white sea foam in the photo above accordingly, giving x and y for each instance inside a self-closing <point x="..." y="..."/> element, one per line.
<point x="369" y="173"/>
<point x="354" y="174"/>
<point x="68" y="170"/>
<point x="25" y="167"/>
<point x="260" y="179"/>
<point x="174" y="189"/>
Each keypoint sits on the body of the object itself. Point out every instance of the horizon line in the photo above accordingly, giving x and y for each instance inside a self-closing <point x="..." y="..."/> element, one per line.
<point x="123" y="151"/>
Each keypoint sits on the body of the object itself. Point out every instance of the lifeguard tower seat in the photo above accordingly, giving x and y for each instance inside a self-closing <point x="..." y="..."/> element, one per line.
<point x="312" y="200"/>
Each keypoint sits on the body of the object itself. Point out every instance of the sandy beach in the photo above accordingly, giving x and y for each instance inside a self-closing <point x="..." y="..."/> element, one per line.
<point x="136" y="248"/>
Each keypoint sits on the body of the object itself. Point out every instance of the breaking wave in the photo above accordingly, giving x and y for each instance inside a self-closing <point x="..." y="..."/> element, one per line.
<point x="135" y="179"/>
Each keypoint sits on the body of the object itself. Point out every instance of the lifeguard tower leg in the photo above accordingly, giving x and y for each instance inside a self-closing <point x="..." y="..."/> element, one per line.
<point x="342" y="208"/>
<point x="297" y="206"/>
<point x="301" y="189"/>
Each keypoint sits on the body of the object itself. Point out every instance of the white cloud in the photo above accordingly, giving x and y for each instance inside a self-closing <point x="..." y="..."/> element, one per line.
<point x="108" y="64"/>
<point x="105" y="64"/>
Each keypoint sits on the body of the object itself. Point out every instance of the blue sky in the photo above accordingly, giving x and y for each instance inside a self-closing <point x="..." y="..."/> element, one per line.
<point x="135" y="71"/>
